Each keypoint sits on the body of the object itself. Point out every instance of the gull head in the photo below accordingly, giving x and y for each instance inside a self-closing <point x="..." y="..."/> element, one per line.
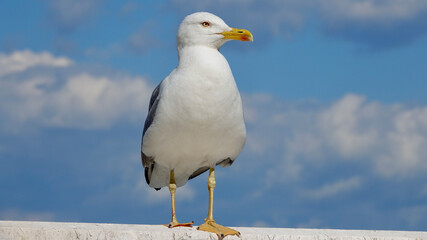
<point x="203" y="28"/>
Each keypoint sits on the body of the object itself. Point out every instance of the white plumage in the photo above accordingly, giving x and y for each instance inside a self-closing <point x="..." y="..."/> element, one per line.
<point x="195" y="119"/>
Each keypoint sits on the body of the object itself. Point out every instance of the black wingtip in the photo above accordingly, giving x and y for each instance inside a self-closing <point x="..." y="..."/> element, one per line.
<point x="147" y="177"/>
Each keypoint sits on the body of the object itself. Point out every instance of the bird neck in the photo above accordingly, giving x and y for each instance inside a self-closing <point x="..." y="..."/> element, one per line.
<point x="199" y="54"/>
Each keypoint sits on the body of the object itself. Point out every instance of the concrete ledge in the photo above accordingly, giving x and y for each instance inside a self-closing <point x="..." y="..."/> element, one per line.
<point x="61" y="231"/>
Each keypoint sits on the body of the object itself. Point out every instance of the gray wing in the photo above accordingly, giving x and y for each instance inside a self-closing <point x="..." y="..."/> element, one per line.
<point x="223" y="163"/>
<point x="152" y="107"/>
<point x="147" y="161"/>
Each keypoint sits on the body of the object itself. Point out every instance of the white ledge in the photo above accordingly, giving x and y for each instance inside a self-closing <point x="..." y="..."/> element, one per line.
<point x="61" y="231"/>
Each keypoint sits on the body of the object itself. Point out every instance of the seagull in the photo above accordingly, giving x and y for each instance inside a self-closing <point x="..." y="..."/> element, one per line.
<point x="195" y="116"/>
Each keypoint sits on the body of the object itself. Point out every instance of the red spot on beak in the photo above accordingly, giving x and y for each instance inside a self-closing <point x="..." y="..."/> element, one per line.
<point x="244" y="38"/>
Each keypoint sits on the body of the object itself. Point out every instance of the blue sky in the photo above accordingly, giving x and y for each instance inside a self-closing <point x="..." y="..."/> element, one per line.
<point x="334" y="95"/>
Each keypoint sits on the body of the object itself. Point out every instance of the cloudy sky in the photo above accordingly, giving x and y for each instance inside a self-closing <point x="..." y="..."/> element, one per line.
<point x="335" y="102"/>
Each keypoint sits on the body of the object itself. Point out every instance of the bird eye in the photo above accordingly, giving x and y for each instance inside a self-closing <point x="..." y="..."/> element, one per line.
<point x="206" y="24"/>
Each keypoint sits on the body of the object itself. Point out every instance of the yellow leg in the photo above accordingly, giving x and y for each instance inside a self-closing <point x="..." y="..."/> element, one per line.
<point x="210" y="225"/>
<point x="172" y="188"/>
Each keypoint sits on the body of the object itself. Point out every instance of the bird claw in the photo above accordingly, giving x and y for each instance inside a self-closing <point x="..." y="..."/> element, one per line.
<point x="219" y="230"/>
<point x="177" y="224"/>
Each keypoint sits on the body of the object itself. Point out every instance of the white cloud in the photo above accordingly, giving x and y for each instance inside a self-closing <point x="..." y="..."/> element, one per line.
<point x="378" y="23"/>
<point x="407" y="143"/>
<point x="79" y="99"/>
<point x="350" y="125"/>
<point x="292" y="136"/>
<point x="373" y="11"/>
<point x="88" y="101"/>
<point x="19" y="61"/>
<point x="333" y="189"/>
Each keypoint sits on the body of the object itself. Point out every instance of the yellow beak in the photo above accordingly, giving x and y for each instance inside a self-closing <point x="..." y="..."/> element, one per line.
<point x="238" y="34"/>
